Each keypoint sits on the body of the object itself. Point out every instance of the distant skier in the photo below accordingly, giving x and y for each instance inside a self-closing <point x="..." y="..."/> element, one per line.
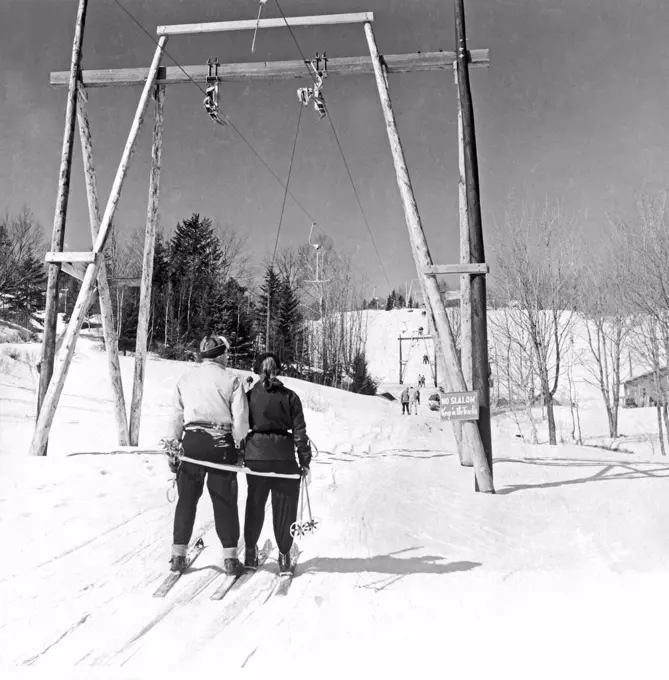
<point x="412" y="398"/>
<point x="404" y="398"/>
<point x="415" y="401"/>
<point x="278" y="432"/>
<point x="210" y="411"/>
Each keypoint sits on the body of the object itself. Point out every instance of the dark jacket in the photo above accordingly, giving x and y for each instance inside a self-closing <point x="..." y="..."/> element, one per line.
<point x="277" y="425"/>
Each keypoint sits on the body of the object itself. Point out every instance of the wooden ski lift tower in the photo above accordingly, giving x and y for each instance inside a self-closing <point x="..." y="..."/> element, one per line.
<point x="475" y="438"/>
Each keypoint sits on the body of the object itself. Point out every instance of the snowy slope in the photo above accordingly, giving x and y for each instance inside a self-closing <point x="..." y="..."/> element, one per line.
<point x="563" y="571"/>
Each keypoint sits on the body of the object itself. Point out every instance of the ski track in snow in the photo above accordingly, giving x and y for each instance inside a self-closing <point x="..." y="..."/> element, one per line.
<point x="570" y="553"/>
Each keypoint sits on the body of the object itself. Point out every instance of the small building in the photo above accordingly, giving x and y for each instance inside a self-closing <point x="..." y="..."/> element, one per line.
<point x="644" y="390"/>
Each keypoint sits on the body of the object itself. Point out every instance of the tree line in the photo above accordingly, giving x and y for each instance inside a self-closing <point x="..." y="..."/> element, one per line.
<point x="567" y="301"/>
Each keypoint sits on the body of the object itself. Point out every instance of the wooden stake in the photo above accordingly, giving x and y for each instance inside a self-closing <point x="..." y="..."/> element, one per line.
<point x="434" y="304"/>
<point x="147" y="269"/>
<point x="465" y="281"/>
<point x="64" y="358"/>
<point x="108" y="329"/>
<point x="480" y="365"/>
<point x="60" y="218"/>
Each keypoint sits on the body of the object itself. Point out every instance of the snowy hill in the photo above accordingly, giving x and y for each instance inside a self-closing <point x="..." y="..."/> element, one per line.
<point x="560" y="574"/>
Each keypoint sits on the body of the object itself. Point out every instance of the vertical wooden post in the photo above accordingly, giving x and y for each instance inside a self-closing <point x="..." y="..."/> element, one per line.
<point x="64" y="359"/>
<point x="108" y="330"/>
<point x="60" y="218"/>
<point x="443" y="334"/>
<point x="465" y="281"/>
<point x="480" y="364"/>
<point x="147" y="269"/>
<point x="400" y="339"/>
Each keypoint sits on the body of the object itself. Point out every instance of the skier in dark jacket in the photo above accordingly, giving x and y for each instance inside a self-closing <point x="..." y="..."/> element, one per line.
<point x="278" y="432"/>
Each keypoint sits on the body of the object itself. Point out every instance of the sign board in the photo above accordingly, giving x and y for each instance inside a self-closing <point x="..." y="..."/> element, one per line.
<point x="459" y="406"/>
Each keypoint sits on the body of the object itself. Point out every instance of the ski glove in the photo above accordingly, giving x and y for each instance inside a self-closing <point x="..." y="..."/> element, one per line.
<point x="306" y="473"/>
<point x="172" y="448"/>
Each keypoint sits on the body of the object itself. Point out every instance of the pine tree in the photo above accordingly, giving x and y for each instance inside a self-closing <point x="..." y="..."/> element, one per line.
<point x="363" y="383"/>
<point x="30" y="292"/>
<point x="289" y="323"/>
<point x="270" y="288"/>
<point x="390" y="302"/>
<point x="195" y="278"/>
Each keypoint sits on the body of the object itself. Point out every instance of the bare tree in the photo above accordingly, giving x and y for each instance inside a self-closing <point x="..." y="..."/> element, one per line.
<point x="537" y="276"/>
<point x="21" y="236"/>
<point x="645" y="241"/>
<point x="608" y="320"/>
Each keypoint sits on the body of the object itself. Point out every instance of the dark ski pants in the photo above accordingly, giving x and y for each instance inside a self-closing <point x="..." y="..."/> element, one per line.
<point x="222" y="487"/>
<point x="285" y="498"/>
<point x="405" y="407"/>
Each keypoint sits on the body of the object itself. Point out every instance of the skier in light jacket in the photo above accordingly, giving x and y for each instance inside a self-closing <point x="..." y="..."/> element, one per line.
<point x="277" y="442"/>
<point x="209" y="416"/>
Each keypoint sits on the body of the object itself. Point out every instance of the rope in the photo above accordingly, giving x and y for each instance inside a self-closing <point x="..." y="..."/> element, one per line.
<point x="238" y="468"/>
<point x="285" y="193"/>
<point x="341" y="151"/>
<point x="431" y="366"/>
<point x="233" y="126"/>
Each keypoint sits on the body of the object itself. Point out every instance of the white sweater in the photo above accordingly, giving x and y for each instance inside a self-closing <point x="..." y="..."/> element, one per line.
<point x="210" y="395"/>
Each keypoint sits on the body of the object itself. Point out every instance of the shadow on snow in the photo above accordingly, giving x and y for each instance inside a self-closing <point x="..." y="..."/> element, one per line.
<point x="605" y="473"/>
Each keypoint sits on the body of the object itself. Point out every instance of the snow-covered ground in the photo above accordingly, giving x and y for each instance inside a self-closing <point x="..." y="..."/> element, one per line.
<point x="563" y="571"/>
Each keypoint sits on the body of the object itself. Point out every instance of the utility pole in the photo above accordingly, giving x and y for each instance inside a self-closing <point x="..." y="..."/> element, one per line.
<point x="480" y="364"/>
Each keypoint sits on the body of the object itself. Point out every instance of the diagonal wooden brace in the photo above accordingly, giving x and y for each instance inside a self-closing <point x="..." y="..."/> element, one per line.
<point x="64" y="357"/>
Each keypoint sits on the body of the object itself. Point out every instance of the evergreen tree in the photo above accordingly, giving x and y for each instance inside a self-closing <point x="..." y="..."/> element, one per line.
<point x="390" y="302"/>
<point x="196" y="258"/>
<point x="269" y="289"/>
<point x="363" y="383"/>
<point x="30" y="293"/>
<point x="289" y="323"/>
<point x="160" y="290"/>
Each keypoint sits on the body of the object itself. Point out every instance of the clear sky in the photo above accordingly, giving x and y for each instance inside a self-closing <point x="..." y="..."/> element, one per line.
<point x="575" y="107"/>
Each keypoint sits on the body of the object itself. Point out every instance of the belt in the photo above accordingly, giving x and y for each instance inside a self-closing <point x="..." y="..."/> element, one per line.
<point x="207" y="427"/>
<point x="280" y="433"/>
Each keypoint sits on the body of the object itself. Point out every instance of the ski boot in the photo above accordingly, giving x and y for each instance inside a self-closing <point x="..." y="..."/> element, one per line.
<point x="285" y="563"/>
<point x="232" y="566"/>
<point x="251" y="558"/>
<point x="178" y="563"/>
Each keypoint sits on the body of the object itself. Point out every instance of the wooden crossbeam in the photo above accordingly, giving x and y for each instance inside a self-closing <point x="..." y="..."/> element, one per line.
<point x="473" y="268"/>
<point x="343" y="66"/>
<point x="250" y="24"/>
<point x="76" y="269"/>
<point x="85" y="256"/>
<point x="124" y="282"/>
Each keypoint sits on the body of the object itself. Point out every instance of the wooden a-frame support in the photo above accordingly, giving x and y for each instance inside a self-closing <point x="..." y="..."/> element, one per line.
<point x="467" y="433"/>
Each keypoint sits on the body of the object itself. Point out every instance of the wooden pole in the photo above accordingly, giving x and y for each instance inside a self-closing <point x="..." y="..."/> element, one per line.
<point x="434" y="304"/>
<point x="465" y="281"/>
<point x="344" y="66"/>
<point x="251" y="24"/>
<point x="64" y="358"/>
<point x="108" y="329"/>
<point x="60" y="218"/>
<point x="400" y="339"/>
<point x="147" y="269"/>
<point x="480" y="365"/>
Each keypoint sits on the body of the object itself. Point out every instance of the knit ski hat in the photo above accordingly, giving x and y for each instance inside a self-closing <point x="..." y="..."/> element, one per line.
<point x="213" y="346"/>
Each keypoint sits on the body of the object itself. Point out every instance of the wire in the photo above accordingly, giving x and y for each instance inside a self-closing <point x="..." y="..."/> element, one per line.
<point x="241" y="136"/>
<point x="341" y="151"/>
<point x="285" y="193"/>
